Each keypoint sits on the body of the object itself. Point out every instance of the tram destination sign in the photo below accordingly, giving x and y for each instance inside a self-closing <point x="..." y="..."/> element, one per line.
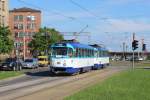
<point x="60" y="44"/>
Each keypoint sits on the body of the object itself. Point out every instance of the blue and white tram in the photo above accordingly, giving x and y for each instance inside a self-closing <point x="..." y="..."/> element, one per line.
<point x="71" y="57"/>
<point x="101" y="57"/>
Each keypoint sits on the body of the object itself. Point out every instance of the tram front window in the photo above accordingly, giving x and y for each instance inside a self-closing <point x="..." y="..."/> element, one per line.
<point x="59" y="51"/>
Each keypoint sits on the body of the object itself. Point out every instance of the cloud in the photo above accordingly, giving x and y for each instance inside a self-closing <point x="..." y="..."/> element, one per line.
<point x="125" y="25"/>
<point x="120" y="30"/>
<point x="65" y="16"/>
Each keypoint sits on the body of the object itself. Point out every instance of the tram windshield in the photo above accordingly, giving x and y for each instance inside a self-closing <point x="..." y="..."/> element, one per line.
<point x="59" y="51"/>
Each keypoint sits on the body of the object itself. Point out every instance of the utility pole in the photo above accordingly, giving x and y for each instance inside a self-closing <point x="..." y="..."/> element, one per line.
<point x="142" y="48"/>
<point x="46" y="34"/>
<point x="124" y="50"/>
<point x="24" y="41"/>
<point x="17" y="54"/>
<point x="134" y="47"/>
<point x="133" y="51"/>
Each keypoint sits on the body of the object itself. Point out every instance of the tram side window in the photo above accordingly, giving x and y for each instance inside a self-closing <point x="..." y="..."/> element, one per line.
<point x="70" y="52"/>
<point x="99" y="53"/>
<point x="76" y="54"/>
<point x="88" y="53"/>
<point x="92" y="53"/>
<point x="95" y="53"/>
<point x="84" y="53"/>
<point x="103" y="53"/>
<point x="80" y="52"/>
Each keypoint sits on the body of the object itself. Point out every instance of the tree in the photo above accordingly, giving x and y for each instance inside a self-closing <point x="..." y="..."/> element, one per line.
<point x="6" y="43"/>
<point x="43" y="39"/>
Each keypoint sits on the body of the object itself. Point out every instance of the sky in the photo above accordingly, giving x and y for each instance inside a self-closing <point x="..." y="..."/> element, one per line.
<point x="107" y="22"/>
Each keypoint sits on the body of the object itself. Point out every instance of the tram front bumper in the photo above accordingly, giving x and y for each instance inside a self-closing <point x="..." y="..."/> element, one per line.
<point x="69" y="70"/>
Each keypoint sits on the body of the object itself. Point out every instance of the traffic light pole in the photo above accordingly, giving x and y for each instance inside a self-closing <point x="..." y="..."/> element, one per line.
<point x="133" y="48"/>
<point x="133" y="61"/>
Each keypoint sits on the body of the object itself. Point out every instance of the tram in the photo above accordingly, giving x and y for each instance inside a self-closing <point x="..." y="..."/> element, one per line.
<point x="101" y="58"/>
<point x="74" y="57"/>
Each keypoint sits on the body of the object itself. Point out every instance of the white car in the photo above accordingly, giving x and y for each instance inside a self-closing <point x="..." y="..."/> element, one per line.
<point x="140" y="59"/>
<point x="30" y="63"/>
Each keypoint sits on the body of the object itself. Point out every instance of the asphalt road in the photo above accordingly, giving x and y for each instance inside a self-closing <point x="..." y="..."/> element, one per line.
<point x="40" y="79"/>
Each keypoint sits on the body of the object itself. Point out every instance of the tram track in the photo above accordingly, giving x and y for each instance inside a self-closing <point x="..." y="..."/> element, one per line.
<point x="13" y="92"/>
<point x="10" y="90"/>
<point x="74" y="84"/>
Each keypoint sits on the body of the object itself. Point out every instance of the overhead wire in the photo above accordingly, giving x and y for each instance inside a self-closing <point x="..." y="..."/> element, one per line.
<point x="88" y="11"/>
<point x="52" y="12"/>
<point x="63" y="15"/>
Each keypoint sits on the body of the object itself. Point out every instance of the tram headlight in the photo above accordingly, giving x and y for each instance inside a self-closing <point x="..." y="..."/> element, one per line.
<point x="64" y="64"/>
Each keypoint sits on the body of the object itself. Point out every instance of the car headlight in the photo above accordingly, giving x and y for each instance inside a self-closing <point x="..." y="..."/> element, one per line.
<point x="10" y="64"/>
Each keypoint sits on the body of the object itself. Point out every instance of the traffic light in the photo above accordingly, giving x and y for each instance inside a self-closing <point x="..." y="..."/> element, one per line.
<point x="143" y="47"/>
<point x="135" y="44"/>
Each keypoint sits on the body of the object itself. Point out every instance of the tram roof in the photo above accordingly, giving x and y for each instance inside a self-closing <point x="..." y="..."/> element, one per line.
<point x="98" y="47"/>
<point x="78" y="45"/>
<point x="73" y="45"/>
<point x="103" y="49"/>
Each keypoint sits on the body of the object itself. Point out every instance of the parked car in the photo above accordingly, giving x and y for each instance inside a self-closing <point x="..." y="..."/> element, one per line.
<point x="42" y="61"/>
<point x="137" y="59"/>
<point x="141" y="59"/>
<point x="12" y="64"/>
<point x="30" y="63"/>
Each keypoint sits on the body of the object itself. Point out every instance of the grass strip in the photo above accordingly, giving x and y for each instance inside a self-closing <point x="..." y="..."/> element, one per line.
<point x="128" y="85"/>
<point x="8" y="74"/>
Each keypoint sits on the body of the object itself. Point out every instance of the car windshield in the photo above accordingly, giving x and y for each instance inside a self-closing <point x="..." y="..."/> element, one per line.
<point x="59" y="51"/>
<point x="29" y="60"/>
<point x="10" y="60"/>
<point x="41" y="59"/>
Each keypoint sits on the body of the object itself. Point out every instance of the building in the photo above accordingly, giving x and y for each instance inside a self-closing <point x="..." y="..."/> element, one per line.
<point x="24" y="23"/>
<point x="4" y="13"/>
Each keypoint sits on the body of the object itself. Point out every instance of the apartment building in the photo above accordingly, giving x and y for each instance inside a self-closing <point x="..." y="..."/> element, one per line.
<point x="4" y="13"/>
<point x="24" y="23"/>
